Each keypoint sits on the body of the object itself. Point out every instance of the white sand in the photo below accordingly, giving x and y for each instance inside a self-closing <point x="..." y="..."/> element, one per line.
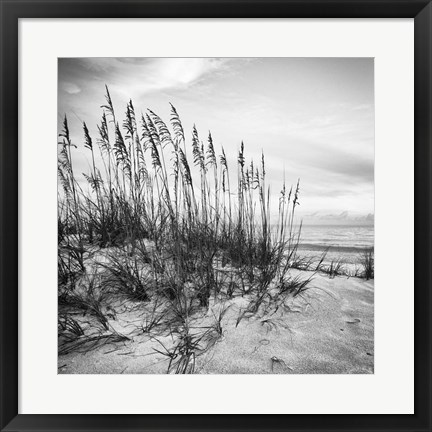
<point x="329" y="330"/>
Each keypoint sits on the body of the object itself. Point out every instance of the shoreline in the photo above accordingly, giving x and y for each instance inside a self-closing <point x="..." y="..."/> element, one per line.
<point x="312" y="247"/>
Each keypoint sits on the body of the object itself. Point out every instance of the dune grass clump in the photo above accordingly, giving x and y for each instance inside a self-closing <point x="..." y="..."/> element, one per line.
<point x="176" y="227"/>
<point x="129" y="276"/>
<point x="363" y="267"/>
<point x="367" y="262"/>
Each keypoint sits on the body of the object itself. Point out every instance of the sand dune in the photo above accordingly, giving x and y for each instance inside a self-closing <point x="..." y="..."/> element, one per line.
<point x="329" y="330"/>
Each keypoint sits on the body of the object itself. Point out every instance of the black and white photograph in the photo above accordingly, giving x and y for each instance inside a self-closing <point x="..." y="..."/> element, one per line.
<point x="215" y="215"/>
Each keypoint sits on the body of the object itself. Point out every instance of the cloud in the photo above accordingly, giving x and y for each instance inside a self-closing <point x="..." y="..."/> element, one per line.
<point x="343" y="218"/>
<point x="70" y="88"/>
<point x="135" y="76"/>
<point x="347" y="166"/>
<point x="180" y="71"/>
<point x="363" y="107"/>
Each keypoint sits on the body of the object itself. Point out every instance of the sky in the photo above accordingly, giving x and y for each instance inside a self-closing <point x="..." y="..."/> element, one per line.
<point x="312" y="117"/>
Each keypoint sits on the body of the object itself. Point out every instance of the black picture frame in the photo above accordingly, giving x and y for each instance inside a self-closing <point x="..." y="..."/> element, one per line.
<point x="12" y="10"/>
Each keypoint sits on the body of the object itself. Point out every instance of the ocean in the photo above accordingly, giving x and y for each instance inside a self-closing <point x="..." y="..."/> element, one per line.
<point x="341" y="238"/>
<point x="346" y="243"/>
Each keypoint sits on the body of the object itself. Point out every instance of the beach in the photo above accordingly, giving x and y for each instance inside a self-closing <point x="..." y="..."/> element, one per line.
<point x="179" y="253"/>
<point x="329" y="330"/>
<point x="337" y="243"/>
